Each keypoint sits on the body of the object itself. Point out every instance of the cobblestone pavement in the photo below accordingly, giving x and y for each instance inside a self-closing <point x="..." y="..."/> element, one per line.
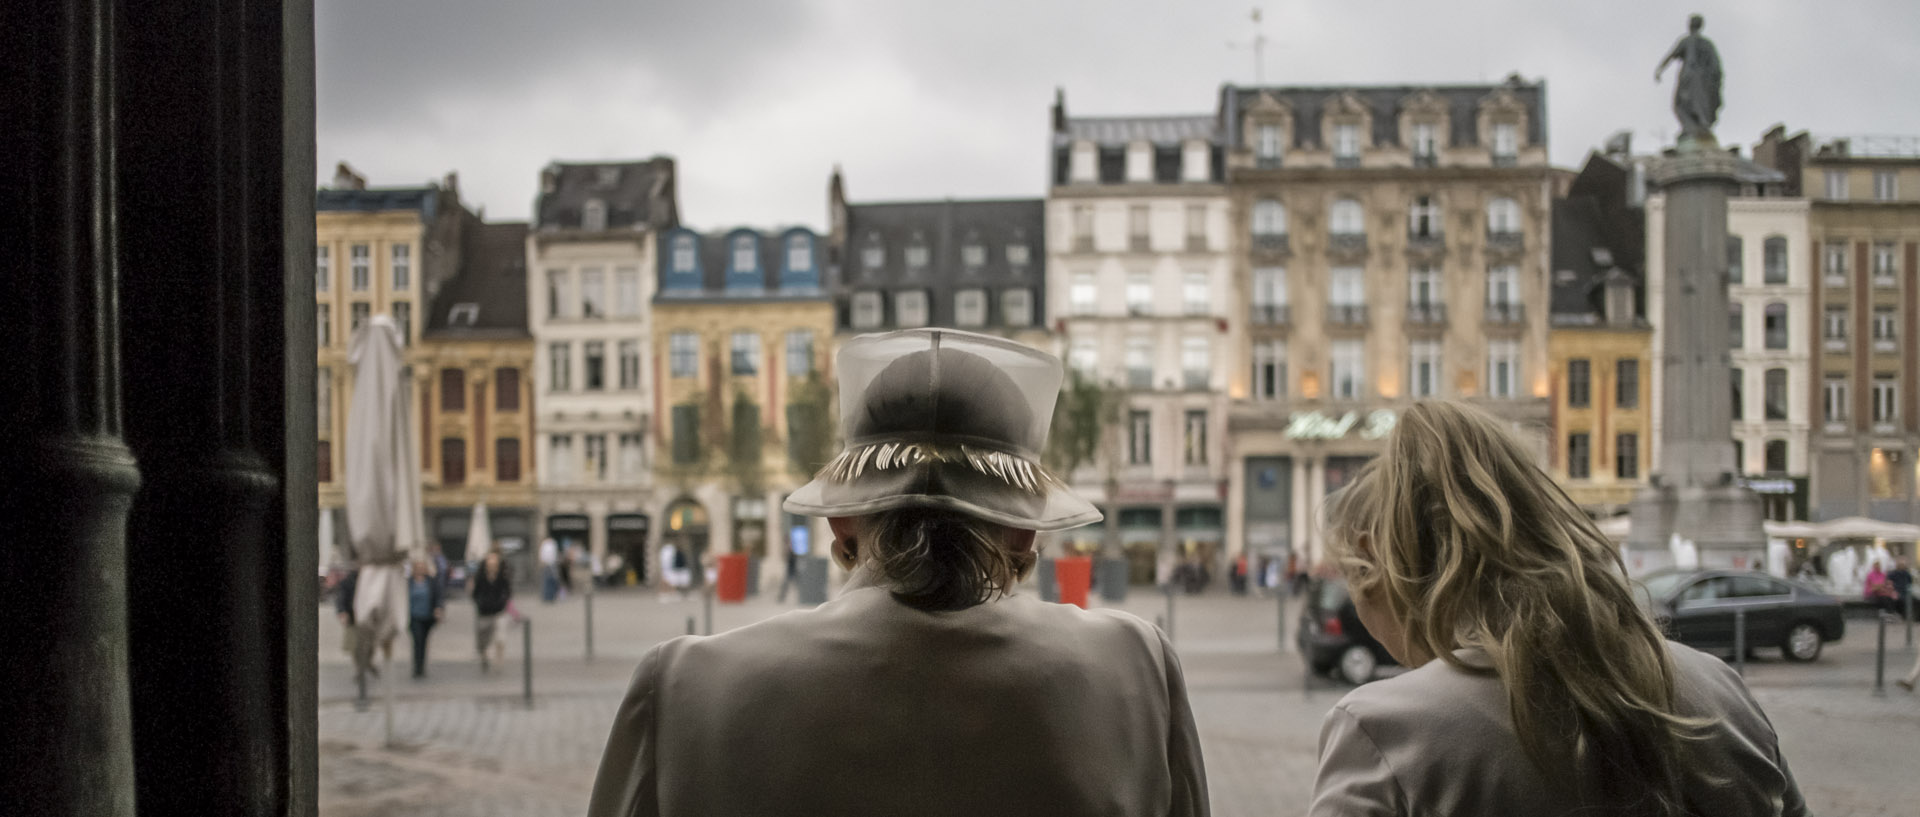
<point x="464" y="743"/>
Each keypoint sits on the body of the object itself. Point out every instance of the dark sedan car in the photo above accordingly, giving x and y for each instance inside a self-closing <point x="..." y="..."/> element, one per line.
<point x="1331" y="637"/>
<point x="1697" y="608"/>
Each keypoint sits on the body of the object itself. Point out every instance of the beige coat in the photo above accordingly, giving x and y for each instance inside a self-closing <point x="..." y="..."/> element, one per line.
<point x="1439" y="741"/>
<point x="864" y="706"/>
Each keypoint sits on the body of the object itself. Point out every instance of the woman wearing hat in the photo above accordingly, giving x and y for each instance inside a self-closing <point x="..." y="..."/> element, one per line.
<point x="1539" y="686"/>
<point x="929" y="686"/>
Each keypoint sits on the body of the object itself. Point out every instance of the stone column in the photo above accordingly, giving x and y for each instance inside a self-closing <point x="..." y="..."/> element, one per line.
<point x="1694" y="493"/>
<point x="66" y="477"/>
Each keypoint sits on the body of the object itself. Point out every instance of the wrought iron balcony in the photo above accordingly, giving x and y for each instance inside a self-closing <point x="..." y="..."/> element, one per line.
<point x="1347" y="314"/>
<point x="1505" y="160"/>
<point x="1270" y="315"/>
<point x="1266" y="162"/>
<point x="1505" y="239"/>
<point x="1427" y="314"/>
<point x="1506" y="314"/>
<point x="1346" y="161"/>
<point x="1271" y="243"/>
<point x="1426" y="160"/>
<point x="1347" y="242"/>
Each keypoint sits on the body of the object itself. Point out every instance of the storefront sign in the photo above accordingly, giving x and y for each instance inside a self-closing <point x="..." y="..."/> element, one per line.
<point x="1770" y="486"/>
<point x="1314" y="425"/>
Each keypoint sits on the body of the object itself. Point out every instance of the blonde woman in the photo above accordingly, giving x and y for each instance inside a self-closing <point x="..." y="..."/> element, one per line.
<point x="1538" y="686"/>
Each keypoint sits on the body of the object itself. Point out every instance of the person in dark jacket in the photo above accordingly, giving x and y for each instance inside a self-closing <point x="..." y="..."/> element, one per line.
<point x="492" y="590"/>
<point x="426" y="605"/>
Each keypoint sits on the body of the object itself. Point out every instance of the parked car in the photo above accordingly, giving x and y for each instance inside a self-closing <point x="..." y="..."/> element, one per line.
<point x="1331" y="637"/>
<point x="1697" y="608"/>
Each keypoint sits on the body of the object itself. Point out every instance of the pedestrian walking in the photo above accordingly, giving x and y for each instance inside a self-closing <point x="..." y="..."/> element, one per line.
<point x="425" y="608"/>
<point x="1536" y="684"/>
<point x="1902" y="581"/>
<point x="351" y="640"/>
<point x="549" y="570"/>
<point x="1879" y="590"/>
<point x="492" y="591"/>
<point x="930" y="685"/>
<point x="796" y="548"/>
<point x="675" y="572"/>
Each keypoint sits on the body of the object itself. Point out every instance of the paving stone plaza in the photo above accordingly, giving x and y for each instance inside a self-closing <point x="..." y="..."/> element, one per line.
<point x="466" y="744"/>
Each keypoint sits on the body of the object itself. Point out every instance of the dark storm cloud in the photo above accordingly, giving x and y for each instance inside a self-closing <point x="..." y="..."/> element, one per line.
<point x="758" y="100"/>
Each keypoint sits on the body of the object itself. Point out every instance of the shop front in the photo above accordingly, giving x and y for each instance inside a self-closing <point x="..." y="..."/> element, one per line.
<point x="627" y="540"/>
<point x="1287" y="467"/>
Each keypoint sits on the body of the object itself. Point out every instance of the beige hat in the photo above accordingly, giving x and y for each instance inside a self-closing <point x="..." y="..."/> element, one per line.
<point x="936" y="418"/>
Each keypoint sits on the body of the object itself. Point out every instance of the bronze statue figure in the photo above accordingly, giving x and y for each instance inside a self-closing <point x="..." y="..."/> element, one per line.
<point x="1696" y="97"/>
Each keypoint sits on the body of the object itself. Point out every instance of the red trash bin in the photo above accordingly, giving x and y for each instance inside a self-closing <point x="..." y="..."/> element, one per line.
<point x="1074" y="575"/>
<point x="731" y="585"/>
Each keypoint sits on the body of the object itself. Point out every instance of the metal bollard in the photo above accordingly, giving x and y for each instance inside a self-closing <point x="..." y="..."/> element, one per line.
<point x="1280" y="616"/>
<point x="1908" y="604"/>
<point x="526" y="660"/>
<point x="1880" y="661"/>
<point x="361" y="704"/>
<point x="1170" y="638"/>
<point x="706" y="602"/>
<point x="1740" y="641"/>
<point x="689" y="625"/>
<point x="589" y="619"/>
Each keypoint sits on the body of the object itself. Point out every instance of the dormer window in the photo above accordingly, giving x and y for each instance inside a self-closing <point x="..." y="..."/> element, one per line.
<point x="1083" y="162"/>
<point x="874" y="255"/>
<point x="1346" y="145"/>
<point x="1268" y="145"/>
<point x="683" y="253"/>
<point x="799" y="253"/>
<point x="1602" y="257"/>
<point x="463" y="314"/>
<point x="1017" y="255"/>
<point x="1506" y="143"/>
<point x="608" y="176"/>
<point x="1139" y="162"/>
<point x="973" y="254"/>
<point x="1426" y="145"/>
<point x="593" y="215"/>
<point x="1196" y="161"/>
<point x="744" y="249"/>
<point x="917" y="254"/>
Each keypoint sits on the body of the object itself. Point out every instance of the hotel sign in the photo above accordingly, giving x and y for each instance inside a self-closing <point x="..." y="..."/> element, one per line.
<point x="1314" y="425"/>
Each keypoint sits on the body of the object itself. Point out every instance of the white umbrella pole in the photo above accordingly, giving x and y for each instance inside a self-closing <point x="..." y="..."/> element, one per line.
<point x="386" y="696"/>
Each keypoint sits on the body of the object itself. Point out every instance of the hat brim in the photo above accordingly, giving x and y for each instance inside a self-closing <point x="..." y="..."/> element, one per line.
<point x="1060" y="509"/>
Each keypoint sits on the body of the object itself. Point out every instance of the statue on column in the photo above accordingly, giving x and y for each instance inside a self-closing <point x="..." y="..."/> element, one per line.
<point x="1696" y="97"/>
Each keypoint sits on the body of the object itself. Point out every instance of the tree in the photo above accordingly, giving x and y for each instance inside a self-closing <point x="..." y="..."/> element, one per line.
<point x="745" y="446"/>
<point x="1084" y="418"/>
<point x="810" y="427"/>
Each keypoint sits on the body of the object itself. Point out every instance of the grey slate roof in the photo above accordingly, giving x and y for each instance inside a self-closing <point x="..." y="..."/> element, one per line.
<point x="1385" y="102"/>
<point x="946" y="226"/>
<point x="378" y="199"/>
<point x="637" y="194"/>
<point x="493" y="276"/>
<point x="1595" y="215"/>
<point x="1119" y="131"/>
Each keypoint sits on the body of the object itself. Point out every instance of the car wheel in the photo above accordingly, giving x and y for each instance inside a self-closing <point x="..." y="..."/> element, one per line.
<point x="1802" y="642"/>
<point x="1357" y="665"/>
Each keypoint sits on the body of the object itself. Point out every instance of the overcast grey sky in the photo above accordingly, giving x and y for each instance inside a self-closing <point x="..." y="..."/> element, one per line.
<point x="758" y="99"/>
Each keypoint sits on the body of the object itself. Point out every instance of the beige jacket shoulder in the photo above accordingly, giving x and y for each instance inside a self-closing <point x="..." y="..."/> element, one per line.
<point x="1439" y="741"/>
<point x="865" y="706"/>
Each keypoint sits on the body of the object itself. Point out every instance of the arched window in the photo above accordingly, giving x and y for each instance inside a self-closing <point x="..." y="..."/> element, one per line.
<point x="1775" y="269"/>
<point x="1503" y="217"/>
<point x="1776" y="325"/>
<point x="1347" y="218"/>
<point x="1269" y="218"/>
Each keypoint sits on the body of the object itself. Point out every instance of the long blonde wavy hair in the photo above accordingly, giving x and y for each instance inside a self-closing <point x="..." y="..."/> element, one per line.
<point x="1471" y="545"/>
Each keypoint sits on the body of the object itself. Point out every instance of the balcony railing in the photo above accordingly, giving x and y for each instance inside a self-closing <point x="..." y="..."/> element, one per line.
<point x="1883" y="279"/>
<point x="1505" y="238"/>
<point x="1835" y="427"/>
<point x="1885" y="345"/>
<point x="1347" y="242"/>
<point x="1266" y="162"/>
<point x="1427" y="314"/>
<point x="1506" y="313"/>
<point x="1430" y="238"/>
<point x="1270" y="315"/>
<point x="1426" y="160"/>
<point x="1195" y="379"/>
<point x="1346" y="161"/>
<point x="1505" y="160"/>
<point x="1833" y="344"/>
<point x="1271" y="242"/>
<point x="1347" y="314"/>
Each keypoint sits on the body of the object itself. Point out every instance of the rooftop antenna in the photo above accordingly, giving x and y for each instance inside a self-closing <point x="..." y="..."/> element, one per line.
<point x="1259" y="49"/>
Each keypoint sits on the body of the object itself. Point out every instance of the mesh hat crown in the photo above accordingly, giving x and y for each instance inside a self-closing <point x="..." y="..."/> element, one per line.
<point x="938" y="418"/>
